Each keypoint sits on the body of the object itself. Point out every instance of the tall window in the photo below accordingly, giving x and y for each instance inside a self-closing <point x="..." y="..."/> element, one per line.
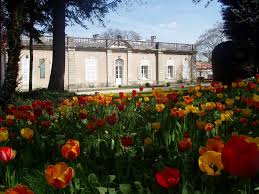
<point x="90" y="69"/>
<point x="119" y="68"/>
<point x="170" y="70"/>
<point x="144" y="70"/>
<point x="42" y="68"/>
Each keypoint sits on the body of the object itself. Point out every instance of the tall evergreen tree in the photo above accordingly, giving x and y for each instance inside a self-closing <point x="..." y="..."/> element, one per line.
<point x="16" y="21"/>
<point x="241" y="25"/>
<point x="14" y="9"/>
<point x="73" y="11"/>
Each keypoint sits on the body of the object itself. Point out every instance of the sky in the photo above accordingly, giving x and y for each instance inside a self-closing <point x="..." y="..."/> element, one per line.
<point x="178" y="21"/>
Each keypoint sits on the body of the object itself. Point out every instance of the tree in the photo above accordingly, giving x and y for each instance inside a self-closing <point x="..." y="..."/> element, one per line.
<point x="241" y="25"/>
<point x="208" y="40"/>
<point x="124" y="34"/>
<point x="73" y="11"/>
<point x="15" y="21"/>
<point x="56" y="81"/>
<point x="15" y="11"/>
<point x="35" y="14"/>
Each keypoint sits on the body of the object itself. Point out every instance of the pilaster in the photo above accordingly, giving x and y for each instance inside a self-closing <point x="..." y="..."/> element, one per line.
<point x="110" y="68"/>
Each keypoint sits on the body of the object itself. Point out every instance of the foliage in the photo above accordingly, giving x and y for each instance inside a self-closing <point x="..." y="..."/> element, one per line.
<point x="241" y="21"/>
<point x="165" y="142"/>
<point x="124" y="34"/>
<point x="207" y="42"/>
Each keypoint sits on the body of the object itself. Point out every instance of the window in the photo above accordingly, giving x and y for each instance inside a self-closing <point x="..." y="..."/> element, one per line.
<point x="144" y="70"/>
<point x="90" y="69"/>
<point x="119" y="68"/>
<point x="42" y="68"/>
<point x="169" y="70"/>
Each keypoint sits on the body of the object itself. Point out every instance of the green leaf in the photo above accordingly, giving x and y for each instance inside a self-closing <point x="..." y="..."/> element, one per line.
<point x="256" y="189"/>
<point x="111" y="178"/>
<point x="184" y="189"/>
<point x="77" y="184"/>
<point x="125" y="188"/>
<point x="92" y="178"/>
<point x="139" y="187"/>
<point x="102" y="190"/>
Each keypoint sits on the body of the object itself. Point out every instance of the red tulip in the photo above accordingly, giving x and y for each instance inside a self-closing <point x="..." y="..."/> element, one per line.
<point x="127" y="141"/>
<point x="134" y="92"/>
<point x="6" y="154"/>
<point x="71" y="150"/>
<point x="168" y="177"/>
<point x="141" y="88"/>
<point x="121" y="107"/>
<point x="240" y="158"/>
<point x="112" y="119"/>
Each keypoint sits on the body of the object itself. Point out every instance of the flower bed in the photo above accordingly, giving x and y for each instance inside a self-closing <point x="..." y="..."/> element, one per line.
<point x="202" y="140"/>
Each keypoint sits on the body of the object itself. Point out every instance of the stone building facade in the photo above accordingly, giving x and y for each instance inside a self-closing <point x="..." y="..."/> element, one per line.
<point x="95" y="62"/>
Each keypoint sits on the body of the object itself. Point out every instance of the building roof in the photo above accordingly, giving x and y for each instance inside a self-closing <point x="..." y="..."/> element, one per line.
<point x="203" y="65"/>
<point x="99" y="43"/>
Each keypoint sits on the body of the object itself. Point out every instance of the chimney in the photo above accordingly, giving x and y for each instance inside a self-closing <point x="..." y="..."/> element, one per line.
<point x="153" y="38"/>
<point x="95" y="36"/>
<point x="119" y="37"/>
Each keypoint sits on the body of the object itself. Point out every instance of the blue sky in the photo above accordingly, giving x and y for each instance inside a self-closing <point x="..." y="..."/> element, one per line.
<point x="169" y="20"/>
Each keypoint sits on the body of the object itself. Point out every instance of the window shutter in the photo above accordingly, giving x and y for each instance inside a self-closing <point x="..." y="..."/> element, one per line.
<point x="174" y="71"/>
<point x="42" y="68"/>
<point x="90" y="69"/>
<point x="166" y="72"/>
<point x="149" y="71"/>
<point x="139" y="73"/>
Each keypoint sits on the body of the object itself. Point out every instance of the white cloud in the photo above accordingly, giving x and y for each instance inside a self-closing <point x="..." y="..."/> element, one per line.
<point x="169" y="26"/>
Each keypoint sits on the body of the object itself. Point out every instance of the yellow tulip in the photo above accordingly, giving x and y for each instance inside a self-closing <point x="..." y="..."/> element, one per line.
<point x="148" y="141"/>
<point x="4" y="135"/>
<point x="156" y="126"/>
<point x="159" y="107"/>
<point x="27" y="133"/>
<point x="210" y="163"/>
<point x="218" y="122"/>
<point x="247" y="112"/>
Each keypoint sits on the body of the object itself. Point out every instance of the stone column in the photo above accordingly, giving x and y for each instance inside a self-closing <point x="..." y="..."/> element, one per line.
<point x="71" y="69"/>
<point x="160" y="68"/>
<point x="193" y="67"/>
<point x="109" y="68"/>
<point x="129" y="67"/>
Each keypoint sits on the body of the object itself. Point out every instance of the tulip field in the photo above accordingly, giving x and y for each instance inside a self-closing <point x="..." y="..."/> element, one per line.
<point x="201" y="140"/>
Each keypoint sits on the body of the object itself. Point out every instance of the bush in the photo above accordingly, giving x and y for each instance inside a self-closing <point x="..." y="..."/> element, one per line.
<point x="147" y="84"/>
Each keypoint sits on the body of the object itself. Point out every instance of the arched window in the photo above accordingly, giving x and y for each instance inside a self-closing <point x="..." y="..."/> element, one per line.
<point x="91" y="69"/>
<point x="144" y="70"/>
<point x="170" y="69"/>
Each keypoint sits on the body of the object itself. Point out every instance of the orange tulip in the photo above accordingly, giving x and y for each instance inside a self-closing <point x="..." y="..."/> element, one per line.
<point x="209" y="127"/>
<point x="59" y="175"/>
<point x="19" y="189"/>
<point x="185" y="144"/>
<point x="213" y="144"/>
<point x="71" y="150"/>
<point x="188" y="99"/>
